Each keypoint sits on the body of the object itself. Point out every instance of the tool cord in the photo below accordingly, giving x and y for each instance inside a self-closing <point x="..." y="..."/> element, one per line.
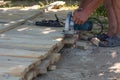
<point x="98" y="23"/>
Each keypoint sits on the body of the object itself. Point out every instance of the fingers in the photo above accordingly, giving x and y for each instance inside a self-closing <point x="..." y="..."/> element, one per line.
<point x="77" y="20"/>
<point x="77" y="17"/>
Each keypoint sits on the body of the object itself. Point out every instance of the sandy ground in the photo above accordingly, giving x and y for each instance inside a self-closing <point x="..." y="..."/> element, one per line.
<point x="92" y="64"/>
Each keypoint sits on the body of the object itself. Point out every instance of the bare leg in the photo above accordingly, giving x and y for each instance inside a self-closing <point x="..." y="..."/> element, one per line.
<point x="111" y="18"/>
<point x="116" y="6"/>
<point x="84" y="3"/>
<point x="111" y="13"/>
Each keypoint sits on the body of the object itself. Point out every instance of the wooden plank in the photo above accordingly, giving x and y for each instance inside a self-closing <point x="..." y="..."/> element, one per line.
<point x="34" y="36"/>
<point x="24" y="46"/>
<point x="29" y="75"/>
<point x="22" y="49"/>
<point x="17" y="22"/>
<point x="38" y="46"/>
<point x="36" y="30"/>
<point x="9" y="63"/>
<point x="14" y="68"/>
<point x="26" y="27"/>
<point x="23" y="53"/>
<point x="13" y="71"/>
<point x="55" y="57"/>
<point x="42" y="68"/>
<point x="19" y="59"/>
<point x="12" y="25"/>
<point x="8" y="77"/>
<point x="41" y="41"/>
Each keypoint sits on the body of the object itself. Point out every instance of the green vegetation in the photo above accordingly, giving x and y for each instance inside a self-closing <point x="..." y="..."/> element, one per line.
<point x="23" y="3"/>
<point x="73" y="3"/>
<point x="100" y="11"/>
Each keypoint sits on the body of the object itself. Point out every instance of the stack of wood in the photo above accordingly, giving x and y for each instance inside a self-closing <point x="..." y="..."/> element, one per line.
<point x="79" y="40"/>
<point x="22" y="58"/>
<point x="41" y="66"/>
<point x="28" y="51"/>
<point x="18" y="70"/>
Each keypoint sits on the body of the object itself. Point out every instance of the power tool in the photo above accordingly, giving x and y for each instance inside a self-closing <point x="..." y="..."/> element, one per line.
<point x="71" y="28"/>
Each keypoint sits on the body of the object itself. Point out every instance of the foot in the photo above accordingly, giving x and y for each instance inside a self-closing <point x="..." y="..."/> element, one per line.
<point x="110" y="42"/>
<point x="102" y="37"/>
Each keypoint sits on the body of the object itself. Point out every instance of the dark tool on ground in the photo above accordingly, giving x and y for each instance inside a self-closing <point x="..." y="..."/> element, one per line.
<point x="72" y="29"/>
<point x="50" y="23"/>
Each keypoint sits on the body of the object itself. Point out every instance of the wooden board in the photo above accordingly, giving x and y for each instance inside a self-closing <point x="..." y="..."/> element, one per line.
<point x="34" y="31"/>
<point x="7" y="77"/>
<point x="39" y="42"/>
<point x="25" y="48"/>
<point x="16" y="66"/>
<point x="23" y="53"/>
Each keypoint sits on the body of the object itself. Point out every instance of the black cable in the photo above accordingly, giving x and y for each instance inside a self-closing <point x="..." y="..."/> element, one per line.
<point x="56" y="18"/>
<point x="98" y="23"/>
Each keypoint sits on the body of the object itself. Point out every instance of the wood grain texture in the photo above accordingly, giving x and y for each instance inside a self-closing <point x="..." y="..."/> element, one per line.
<point x="28" y="50"/>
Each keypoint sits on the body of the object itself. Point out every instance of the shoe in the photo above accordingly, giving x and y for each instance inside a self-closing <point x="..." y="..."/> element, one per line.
<point x="110" y="42"/>
<point x="102" y="37"/>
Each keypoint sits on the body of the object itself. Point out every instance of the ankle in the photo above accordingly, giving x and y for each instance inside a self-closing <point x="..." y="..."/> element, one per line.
<point x="118" y="36"/>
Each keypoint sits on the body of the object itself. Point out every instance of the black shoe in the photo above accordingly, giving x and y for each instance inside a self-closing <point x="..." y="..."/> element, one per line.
<point x="102" y="37"/>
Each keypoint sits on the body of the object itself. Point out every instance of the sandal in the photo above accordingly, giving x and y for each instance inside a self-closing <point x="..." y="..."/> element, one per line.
<point x="102" y="37"/>
<point x="110" y="42"/>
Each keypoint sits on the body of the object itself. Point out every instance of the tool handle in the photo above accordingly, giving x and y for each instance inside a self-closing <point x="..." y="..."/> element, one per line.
<point x="56" y="18"/>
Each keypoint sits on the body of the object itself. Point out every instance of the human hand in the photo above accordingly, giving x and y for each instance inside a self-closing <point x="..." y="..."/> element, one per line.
<point x="80" y="16"/>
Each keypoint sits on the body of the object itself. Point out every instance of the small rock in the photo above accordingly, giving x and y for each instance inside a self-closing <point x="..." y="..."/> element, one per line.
<point x="95" y="41"/>
<point x="68" y="41"/>
<point x="52" y="67"/>
<point x="82" y="45"/>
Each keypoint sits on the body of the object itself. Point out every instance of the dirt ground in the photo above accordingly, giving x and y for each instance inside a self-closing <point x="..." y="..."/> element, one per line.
<point x="92" y="64"/>
<point x="95" y="63"/>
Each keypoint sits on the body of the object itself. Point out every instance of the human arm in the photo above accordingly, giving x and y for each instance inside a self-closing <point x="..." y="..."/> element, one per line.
<point x="85" y="9"/>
